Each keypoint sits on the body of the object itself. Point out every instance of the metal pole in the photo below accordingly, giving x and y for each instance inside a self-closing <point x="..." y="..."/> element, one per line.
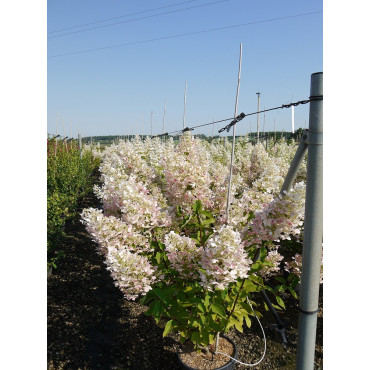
<point x="233" y="146"/>
<point x="258" y="117"/>
<point x="313" y="231"/>
<point x="80" y="144"/>
<point x="294" y="166"/>
<point x="183" y="121"/>
<point x="151" y="123"/>
<point x="164" y="115"/>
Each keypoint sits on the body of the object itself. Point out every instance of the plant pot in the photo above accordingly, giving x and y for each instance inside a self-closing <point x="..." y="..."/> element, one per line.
<point x="228" y="366"/>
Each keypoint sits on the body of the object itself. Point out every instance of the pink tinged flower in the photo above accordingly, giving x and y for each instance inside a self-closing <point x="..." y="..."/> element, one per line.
<point x="225" y="247"/>
<point x="132" y="273"/>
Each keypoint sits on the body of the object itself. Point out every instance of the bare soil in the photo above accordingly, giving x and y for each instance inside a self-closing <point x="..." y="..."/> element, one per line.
<point x="91" y="325"/>
<point x="207" y="361"/>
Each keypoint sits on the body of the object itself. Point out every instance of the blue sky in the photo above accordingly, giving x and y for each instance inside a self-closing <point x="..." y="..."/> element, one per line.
<point x="113" y="91"/>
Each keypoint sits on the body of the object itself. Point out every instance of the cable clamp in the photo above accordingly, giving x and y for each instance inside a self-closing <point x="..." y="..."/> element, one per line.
<point x="307" y="312"/>
<point x="233" y="122"/>
<point x="317" y="97"/>
<point x="187" y="129"/>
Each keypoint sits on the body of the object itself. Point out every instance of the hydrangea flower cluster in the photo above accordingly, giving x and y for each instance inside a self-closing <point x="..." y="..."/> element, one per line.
<point x="183" y="254"/>
<point x="223" y="259"/>
<point x="187" y="174"/>
<point x="275" y="258"/>
<point x="279" y="219"/>
<point x="111" y="232"/>
<point x="132" y="273"/>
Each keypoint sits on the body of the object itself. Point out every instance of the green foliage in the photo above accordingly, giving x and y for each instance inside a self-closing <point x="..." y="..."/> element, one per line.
<point x="198" y="314"/>
<point x="188" y="308"/>
<point x="69" y="178"/>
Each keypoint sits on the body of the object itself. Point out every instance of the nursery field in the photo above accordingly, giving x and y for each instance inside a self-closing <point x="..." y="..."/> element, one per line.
<point x="172" y="245"/>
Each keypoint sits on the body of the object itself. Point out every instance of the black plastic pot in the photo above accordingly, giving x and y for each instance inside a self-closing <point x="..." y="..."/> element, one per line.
<point x="228" y="366"/>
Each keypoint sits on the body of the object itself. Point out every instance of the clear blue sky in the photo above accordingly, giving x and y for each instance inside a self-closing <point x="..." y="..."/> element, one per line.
<point x="113" y="90"/>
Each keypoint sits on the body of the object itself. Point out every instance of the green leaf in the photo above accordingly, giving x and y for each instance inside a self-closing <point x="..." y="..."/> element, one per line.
<point x="248" y="321"/>
<point x="256" y="279"/>
<point x="239" y="326"/>
<point x="216" y="308"/>
<point x="207" y="213"/>
<point x="195" y="337"/>
<point x="203" y="319"/>
<point x="201" y="307"/>
<point x="206" y="300"/>
<point x="208" y="221"/>
<point x="205" y="336"/>
<point x="294" y="281"/>
<point x="158" y="309"/>
<point x="158" y="257"/>
<point x="167" y="328"/>
<point x="281" y="279"/>
<point x="293" y="292"/>
<point x="280" y="301"/>
<point x="197" y="206"/>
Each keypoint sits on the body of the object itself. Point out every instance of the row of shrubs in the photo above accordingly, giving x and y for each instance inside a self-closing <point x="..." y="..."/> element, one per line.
<point x="70" y="176"/>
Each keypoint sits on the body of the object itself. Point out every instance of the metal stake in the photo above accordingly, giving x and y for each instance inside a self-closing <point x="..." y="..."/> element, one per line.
<point x="233" y="146"/>
<point x="183" y="121"/>
<point x="258" y="117"/>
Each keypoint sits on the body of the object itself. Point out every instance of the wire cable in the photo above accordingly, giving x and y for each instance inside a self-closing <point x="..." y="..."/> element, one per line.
<point x="192" y="128"/>
<point x="264" y="338"/>
<point x="137" y="19"/>
<point x="121" y="16"/>
<point x="184" y="34"/>
<point x="240" y="117"/>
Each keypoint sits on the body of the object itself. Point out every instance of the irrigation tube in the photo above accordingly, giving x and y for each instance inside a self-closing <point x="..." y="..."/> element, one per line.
<point x="264" y="339"/>
<point x="313" y="231"/>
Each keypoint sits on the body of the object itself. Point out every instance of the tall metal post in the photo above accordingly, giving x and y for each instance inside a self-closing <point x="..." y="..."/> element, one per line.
<point x="294" y="166"/>
<point x="183" y="121"/>
<point x="313" y="231"/>
<point x="258" y="117"/>
<point x="164" y="115"/>
<point x="234" y="130"/>
<point x="151" y="123"/>
<point x="80" y="144"/>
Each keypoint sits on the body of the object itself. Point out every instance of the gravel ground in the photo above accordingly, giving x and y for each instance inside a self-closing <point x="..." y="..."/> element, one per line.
<point x="91" y="325"/>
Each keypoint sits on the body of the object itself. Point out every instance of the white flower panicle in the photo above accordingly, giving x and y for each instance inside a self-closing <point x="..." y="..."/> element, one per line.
<point x="111" y="232"/>
<point x="280" y="219"/>
<point x="223" y="260"/>
<point x="132" y="273"/>
<point x="183" y="254"/>
<point x="275" y="258"/>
